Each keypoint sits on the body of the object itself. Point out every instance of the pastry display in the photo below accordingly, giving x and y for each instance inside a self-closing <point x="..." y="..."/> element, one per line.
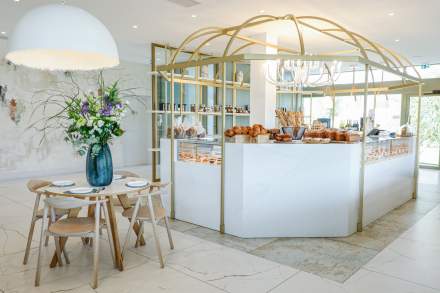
<point x="283" y="137"/>
<point x="316" y="140"/>
<point x="248" y="131"/>
<point x="200" y="158"/>
<point x="387" y="149"/>
<point x="187" y="128"/>
<point x="293" y="119"/>
<point x="335" y="135"/>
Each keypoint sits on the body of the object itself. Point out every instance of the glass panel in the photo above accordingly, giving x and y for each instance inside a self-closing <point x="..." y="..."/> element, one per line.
<point x="349" y="110"/>
<point x="322" y="107"/>
<point x="429" y="128"/>
<point x="388" y="111"/>
<point x="307" y="107"/>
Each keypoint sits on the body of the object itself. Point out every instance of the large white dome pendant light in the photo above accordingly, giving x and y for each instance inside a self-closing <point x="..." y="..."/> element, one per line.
<point x="62" y="37"/>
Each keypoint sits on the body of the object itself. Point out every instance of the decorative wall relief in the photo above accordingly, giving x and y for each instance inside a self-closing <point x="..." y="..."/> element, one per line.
<point x="16" y="110"/>
<point x="3" y="90"/>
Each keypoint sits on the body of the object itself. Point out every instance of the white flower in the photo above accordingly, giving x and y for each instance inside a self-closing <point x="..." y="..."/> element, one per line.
<point x="100" y="123"/>
<point x="89" y="123"/>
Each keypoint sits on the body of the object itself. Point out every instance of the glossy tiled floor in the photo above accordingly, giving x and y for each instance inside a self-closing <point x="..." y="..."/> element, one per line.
<point x="399" y="253"/>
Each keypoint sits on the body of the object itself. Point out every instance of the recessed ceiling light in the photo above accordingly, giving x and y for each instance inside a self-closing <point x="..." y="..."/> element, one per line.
<point x="135" y="26"/>
<point x="16" y="0"/>
<point x="397" y="40"/>
<point x="193" y="15"/>
<point x="262" y="11"/>
<point x="3" y="33"/>
<point x="391" y="13"/>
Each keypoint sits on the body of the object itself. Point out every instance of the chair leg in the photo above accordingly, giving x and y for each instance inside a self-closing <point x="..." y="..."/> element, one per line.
<point x="66" y="257"/>
<point x="109" y="232"/>
<point x="58" y="251"/>
<point x="167" y="225"/>
<point x="139" y="236"/>
<point x="31" y="229"/>
<point x="37" y="274"/>
<point x="153" y="223"/>
<point x="46" y="242"/>
<point x="96" y="248"/>
<point x="132" y="221"/>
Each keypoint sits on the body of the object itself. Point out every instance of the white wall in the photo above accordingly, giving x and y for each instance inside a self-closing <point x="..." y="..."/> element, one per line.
<point x="20" y="152"/>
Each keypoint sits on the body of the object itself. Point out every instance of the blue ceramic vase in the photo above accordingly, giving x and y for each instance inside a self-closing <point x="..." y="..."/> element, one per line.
<point x="99" y="167"/>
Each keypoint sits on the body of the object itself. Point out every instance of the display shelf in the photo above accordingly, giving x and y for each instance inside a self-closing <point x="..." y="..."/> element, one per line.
<point x="199" y="151"/>
<point x="200" y="113"/>
<point x="387" y="148"/>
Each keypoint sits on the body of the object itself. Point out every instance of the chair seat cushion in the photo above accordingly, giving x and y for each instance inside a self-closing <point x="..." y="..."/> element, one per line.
<point x="144" y="213"/>
<point x="73" y="226"/>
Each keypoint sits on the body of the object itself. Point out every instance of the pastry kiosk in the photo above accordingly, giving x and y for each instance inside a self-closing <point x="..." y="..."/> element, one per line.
<point x="257" y="187"/>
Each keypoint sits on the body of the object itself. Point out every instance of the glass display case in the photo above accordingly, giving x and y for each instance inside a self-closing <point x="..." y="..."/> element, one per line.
<point x="197" y="97"/>
<point x="201" y="151"/>
<point x="387" y="148"/>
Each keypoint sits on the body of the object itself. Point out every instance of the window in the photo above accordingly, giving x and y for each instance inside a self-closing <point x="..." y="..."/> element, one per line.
<point x="388" y="111"/>
<point x="322" y="107"/>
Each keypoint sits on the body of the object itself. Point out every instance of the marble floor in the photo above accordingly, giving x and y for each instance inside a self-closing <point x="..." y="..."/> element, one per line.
<point x="398" y="253"/>
<point x="339" y="258"/>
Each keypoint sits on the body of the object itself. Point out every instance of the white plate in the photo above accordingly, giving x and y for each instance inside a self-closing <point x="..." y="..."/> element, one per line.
<point x="117" y="177"/>
<point x="138" y="183"/>
<point x="63" y="183"/>
<point x="81" y="190"/>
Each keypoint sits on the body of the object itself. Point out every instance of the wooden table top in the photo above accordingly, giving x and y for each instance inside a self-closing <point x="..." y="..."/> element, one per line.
<point x="117" y="187"/>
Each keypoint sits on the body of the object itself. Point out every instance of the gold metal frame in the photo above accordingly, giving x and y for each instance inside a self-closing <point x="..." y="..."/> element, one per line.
<point x="364" y="51"/>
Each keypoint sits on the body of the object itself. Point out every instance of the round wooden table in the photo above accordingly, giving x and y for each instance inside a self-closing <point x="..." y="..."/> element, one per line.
<point x="118" y="189"/>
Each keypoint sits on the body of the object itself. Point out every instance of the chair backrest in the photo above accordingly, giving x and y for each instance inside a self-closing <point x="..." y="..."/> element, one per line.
<point x="62" y="202"/>
<point x="34" y="185"/>
<point x="127" y="173"/>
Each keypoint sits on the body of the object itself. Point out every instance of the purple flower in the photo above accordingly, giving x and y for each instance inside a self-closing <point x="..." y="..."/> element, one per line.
<point x="118" y="106"/>
<point x="85" y="108"/>
<point x="107" y="110"/>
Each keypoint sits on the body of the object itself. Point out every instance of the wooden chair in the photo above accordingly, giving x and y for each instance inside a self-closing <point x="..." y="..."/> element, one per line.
<point x="37" y="214"/>
<point x="131" y="200"/>
<point x="152" y="211"/>
<point x="74" y="227"/>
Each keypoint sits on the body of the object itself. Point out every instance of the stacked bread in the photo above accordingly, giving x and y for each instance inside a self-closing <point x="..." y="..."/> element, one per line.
<point x="253" y="131"/>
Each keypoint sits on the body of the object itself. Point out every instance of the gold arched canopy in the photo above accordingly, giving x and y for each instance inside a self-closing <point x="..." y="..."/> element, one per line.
<point x="236" y="42"/>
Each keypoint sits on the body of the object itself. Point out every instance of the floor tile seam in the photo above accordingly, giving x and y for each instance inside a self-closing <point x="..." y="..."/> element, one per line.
<point x="195" y="278"/>
<point x="284" y="281"/>
<point x="401" y="279"/>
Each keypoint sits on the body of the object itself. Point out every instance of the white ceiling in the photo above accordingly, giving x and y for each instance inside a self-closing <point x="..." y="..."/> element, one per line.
<point x="415" y="23"/>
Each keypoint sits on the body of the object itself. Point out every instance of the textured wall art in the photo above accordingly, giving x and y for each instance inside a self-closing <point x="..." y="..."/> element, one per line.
<point x="15" y="107"/>
<point x="21" y="153"/>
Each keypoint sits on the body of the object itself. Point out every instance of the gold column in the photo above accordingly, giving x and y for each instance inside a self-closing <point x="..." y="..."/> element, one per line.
<point x="362" y="171"/>
<point x="173" y="186"/>
<point x="222" y="190"/>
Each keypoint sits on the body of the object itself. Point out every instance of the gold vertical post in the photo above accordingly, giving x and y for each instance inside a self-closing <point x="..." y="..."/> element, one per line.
<point x="333" y="109"/>
<point x="416" y="164"/>
<point x="234" y="92"/>
<point x="362" y="171"/>
<point x="154" y="106"/>
<point x="222" y="181"/>
<point x="173" y="186"/>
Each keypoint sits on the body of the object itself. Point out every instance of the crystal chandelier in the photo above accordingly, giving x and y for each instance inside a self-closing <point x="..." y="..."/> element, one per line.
<point x="297" y="74"/>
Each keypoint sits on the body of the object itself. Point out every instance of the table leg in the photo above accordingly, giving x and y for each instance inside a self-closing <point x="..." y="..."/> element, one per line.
<point x="73" y="213"/>
<point x="115" y="235"/>
<point x="125" y="203"/>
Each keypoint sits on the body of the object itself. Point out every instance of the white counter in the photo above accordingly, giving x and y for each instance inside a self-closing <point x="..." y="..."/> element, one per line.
<point x="288" y="190"/>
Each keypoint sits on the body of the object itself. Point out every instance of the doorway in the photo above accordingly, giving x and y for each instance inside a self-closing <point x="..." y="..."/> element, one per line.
<point x="429" y="129"/>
